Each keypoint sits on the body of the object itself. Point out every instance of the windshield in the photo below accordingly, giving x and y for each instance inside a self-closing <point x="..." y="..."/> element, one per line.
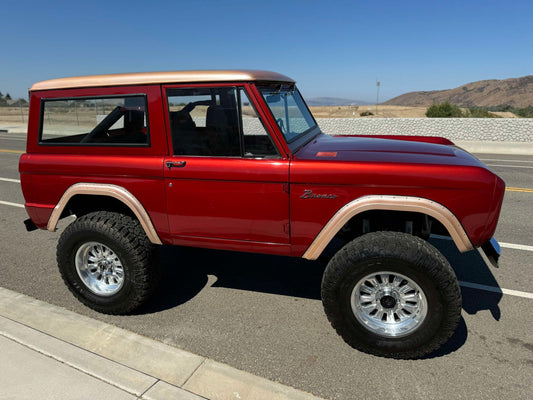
<point x="289" y="110"/>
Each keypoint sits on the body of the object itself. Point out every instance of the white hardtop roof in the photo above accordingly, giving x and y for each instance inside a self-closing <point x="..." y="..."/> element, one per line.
<point x="144" y="78"/>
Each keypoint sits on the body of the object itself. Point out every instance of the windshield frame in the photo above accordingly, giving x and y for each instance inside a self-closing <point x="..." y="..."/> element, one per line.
<point x="294" y="143"/>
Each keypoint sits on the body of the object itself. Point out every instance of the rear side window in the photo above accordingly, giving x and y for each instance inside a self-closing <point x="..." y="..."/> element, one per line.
<point x="95" y="121"/>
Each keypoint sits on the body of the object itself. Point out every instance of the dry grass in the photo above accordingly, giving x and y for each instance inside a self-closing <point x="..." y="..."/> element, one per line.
<point x="504" y="114"/>
<point x="14" y="115"/>
<point x="355" y="111"/>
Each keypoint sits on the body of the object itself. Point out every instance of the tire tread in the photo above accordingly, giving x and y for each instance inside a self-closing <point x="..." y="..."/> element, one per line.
<point x="130" y="235"/>
<point x="425" y="257"/>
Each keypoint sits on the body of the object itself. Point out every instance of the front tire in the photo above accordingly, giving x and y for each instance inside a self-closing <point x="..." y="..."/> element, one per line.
<point x="391" y="294"/>
<point x="107" y="262"/>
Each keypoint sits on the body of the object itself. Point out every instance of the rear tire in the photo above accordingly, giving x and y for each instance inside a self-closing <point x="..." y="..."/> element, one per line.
<point x="107" y="262"/>
<point x="391" y="294"/>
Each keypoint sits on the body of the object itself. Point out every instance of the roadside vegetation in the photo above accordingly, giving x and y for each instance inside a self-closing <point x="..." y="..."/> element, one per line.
<point x="449" y="110"/>
<point x="444" y="110"/>
<point x="7" y="101"/>
<point x="526" y="112"/>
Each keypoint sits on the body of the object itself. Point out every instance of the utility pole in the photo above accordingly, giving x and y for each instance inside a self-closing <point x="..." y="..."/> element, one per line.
<point x="378" y="84"/>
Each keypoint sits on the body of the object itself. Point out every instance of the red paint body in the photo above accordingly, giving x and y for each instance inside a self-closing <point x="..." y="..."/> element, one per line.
<point x="255" y="205"/>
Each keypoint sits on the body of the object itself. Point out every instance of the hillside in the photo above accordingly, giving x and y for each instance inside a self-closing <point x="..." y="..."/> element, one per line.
<point x="516" y="92"/>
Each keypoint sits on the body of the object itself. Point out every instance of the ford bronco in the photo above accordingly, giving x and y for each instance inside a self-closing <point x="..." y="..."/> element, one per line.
<point x="234" y="160"/>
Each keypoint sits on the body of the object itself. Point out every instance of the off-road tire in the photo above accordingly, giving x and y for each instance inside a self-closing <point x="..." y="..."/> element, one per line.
<point x="403" y="254"/>
<point x="125" y="236"/>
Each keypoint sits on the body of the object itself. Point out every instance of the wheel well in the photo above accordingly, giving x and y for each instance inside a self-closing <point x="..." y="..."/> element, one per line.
<point x="81" y="204"/>
<point x="417" y="224"/>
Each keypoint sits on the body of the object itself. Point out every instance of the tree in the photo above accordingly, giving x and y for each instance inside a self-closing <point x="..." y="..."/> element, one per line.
<point x="8" y="97"/>
<point x="19" y="102"/>
<point x="444" y="110"/>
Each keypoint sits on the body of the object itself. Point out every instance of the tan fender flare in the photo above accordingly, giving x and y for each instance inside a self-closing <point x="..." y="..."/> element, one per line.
<point x="100" y="189"/>
<point x="392" y="203"/>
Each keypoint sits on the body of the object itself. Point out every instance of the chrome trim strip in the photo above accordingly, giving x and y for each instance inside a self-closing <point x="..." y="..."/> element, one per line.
<point x="393" y="203"/>
<point x="115" y="191"/>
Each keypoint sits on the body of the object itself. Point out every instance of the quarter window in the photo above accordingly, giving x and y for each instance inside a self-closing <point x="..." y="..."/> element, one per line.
<point x="95" y="121"/>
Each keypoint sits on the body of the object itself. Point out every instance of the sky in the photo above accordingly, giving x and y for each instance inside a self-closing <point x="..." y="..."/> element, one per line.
<point x="331" y="48"/>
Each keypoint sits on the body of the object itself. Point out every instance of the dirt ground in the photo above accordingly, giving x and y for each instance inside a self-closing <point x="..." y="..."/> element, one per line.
<point x="14" y="115"/>
<point x="377" y="112"/>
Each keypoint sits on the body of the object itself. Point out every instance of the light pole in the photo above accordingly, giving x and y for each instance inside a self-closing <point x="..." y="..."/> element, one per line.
<point x="378" y="84"/>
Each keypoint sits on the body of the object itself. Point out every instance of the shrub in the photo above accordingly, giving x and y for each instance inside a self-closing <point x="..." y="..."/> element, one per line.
<point x="365" y="113"/>
<point x="526" y="112"/>
<point x="480" y="113"/>
<point x="444" y="110"/>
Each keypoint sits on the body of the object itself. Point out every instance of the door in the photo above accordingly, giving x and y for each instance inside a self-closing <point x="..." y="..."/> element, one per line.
<point x="226" y="183"/>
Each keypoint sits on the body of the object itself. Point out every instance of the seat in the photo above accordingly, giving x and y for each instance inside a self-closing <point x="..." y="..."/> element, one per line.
<point x="184" y="133"/>
<point x="134" y="127"/>
<point x="223" y="135"/>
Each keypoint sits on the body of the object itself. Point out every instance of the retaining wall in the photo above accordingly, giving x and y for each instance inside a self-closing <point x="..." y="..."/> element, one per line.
<point x="455" y="129"/>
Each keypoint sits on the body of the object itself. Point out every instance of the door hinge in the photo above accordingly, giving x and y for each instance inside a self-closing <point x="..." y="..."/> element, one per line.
<point x="287" y="228"/>
<point x="286" y="188"/>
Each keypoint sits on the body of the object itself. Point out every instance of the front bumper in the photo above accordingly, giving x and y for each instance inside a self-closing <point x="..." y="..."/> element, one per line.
<point x="490" y="252"/>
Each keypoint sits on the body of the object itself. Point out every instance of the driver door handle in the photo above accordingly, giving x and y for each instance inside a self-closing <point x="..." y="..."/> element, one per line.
<point x="175" y="164"/>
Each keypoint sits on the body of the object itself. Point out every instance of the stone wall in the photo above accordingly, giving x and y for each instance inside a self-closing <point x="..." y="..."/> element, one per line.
<point x="455" y="129"/>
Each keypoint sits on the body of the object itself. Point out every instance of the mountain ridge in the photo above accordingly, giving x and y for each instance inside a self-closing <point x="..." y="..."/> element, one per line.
<point x="515" y="92"/>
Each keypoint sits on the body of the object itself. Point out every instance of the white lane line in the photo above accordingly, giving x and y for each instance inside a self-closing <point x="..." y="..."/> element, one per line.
<point x="516" y="161"/>
<point x="10" y="180"/>
<point x="495" y="289"/>
<point x="516" y="246"/>
<point x="509" y="166"/>
<point x="8" y="203"/>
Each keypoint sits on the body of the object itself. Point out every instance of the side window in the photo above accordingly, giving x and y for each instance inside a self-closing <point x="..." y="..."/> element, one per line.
<point x="204" y="121"/>
<point x="216" y="121"/>
<point x="95" y="121"/>
<point x="257" y="142"/>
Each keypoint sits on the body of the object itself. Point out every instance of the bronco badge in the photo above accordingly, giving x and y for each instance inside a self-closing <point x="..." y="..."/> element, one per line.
<point x="308" y="194"/>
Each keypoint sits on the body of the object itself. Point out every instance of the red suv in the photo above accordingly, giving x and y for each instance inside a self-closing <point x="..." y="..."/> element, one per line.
<point x="234" y="160"/>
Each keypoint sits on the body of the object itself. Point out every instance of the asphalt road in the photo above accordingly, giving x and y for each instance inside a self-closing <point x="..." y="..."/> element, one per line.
<point x="263" y="314"/>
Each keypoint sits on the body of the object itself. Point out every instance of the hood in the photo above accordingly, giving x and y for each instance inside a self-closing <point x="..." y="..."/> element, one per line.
<point x="383" y="150"/>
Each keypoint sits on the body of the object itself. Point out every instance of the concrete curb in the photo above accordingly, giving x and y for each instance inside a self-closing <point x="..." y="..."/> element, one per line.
<point x="131" y="362"/>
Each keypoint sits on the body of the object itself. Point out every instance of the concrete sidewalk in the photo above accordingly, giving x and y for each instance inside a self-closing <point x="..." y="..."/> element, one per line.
<point x="48" y="352"/>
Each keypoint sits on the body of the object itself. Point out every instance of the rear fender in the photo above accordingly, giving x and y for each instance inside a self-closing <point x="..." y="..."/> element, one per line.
<point x="114" y="191"/>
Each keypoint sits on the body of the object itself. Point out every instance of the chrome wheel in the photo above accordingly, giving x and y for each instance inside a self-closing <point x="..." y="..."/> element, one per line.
<point x="389" y="304"/>
<point x="99" y="268"/>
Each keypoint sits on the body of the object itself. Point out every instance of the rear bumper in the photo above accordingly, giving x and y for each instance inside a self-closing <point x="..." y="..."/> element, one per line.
<point x="30" y="226"/>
